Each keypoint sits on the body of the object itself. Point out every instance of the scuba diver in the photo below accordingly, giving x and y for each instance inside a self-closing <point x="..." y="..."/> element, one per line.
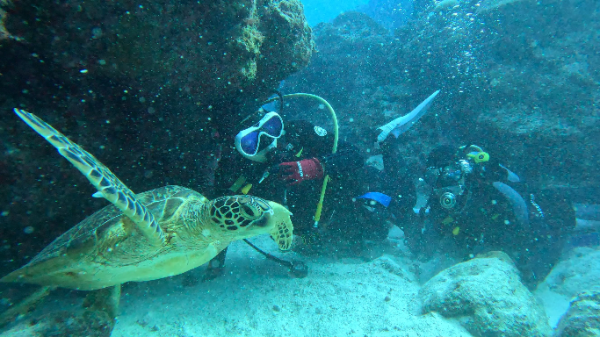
<point x="288" y="162"/>
<point x="468" y="203"/>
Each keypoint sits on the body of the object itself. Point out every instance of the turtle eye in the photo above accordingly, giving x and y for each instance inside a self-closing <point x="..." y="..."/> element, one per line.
<point x="261" y="222"/>
<point x="248" y="210"/>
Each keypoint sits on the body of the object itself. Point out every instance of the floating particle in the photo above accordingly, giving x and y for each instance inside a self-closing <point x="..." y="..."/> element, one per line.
<point x="83" y="71"/>
<point x="28" y="230"/>
<point x="96" y="33"/>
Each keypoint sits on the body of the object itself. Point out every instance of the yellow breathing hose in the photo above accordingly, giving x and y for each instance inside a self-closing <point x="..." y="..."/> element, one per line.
<point x="333" y="150"/>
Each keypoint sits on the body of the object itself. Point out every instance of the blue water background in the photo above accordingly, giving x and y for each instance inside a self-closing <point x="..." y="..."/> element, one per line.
<point x="389" y="13"/>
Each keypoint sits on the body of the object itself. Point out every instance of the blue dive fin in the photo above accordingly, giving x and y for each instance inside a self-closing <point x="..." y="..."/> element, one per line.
<point x="376" y="196"/>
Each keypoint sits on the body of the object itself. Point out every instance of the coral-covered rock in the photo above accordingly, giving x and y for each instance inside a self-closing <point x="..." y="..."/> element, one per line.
<point x="517" y="77"/>
<point x="210" y="49"/>
<point x="354" y="72"/>
<point x="583" y="317"/>
<point x="64" y="323"/>
<point x="486" y="295"/>
<point x="4" y="35"/>
<point x="143" y="85"/>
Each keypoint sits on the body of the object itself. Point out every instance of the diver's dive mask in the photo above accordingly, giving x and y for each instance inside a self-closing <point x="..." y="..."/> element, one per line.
<point x="248" y="141"/>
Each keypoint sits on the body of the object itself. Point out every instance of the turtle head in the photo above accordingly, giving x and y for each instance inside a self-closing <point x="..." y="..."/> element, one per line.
<point x="244" y="216"/>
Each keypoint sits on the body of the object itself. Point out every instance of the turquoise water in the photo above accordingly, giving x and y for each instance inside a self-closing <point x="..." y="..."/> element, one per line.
<point x="441" y="177"/>
<point x="325" y="11"/>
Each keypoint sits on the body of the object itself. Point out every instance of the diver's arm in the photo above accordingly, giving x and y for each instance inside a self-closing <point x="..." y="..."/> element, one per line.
<point x="495" y="171"/>
<point x="346" y="160"/>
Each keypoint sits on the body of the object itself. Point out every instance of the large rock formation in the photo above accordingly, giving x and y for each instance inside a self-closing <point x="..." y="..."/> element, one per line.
<point x="142" y="85"/>
<point x="486" y="295"/>
<point x="517" y="77"/>
<point x="209" y="49"/>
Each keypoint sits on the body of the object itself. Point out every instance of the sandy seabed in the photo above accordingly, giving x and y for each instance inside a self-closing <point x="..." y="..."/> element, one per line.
<point x="369" y="292"/>
<point x="256" y="297"/>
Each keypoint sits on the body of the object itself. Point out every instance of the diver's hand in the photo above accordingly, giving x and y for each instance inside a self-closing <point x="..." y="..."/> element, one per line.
<point x="295" y="172"/>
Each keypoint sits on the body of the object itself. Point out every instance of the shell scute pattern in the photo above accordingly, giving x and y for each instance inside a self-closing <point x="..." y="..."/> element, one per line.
<point x="87" y="232"/>
<point x="79" y="235"/>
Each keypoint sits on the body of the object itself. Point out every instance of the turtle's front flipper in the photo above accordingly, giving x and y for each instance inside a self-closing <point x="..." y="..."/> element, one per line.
<point x="110" y="187"/>
<point x="284" y="229"/>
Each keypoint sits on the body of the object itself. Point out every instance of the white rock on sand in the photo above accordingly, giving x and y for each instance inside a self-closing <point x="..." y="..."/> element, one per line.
<point x="257" y="298"/>
<point x="487" y="296"/>
<point x="578" y="271"/>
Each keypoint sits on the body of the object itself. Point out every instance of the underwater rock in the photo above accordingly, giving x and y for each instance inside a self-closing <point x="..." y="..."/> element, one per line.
<point x="519" y="89"/>
<point x="578" y="270"/>
<point x="95" y="317"/>
<point x="518" y="76"/>
<point x="4" y="35"/>
<point x="210" y="49"/>
<point x="354" y="70"/>
<point x="151" y="77"/>
<point x="488" y="5"/>
<point x="583" y="317"/>
<point x="487" y="297"/>
<point x="64" y="323"/>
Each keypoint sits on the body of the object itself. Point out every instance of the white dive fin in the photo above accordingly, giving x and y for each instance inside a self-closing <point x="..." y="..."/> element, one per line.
<point x="401" y="124"/>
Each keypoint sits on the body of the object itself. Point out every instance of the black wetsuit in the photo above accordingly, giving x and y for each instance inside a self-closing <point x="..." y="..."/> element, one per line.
<point x="484" y="219"/>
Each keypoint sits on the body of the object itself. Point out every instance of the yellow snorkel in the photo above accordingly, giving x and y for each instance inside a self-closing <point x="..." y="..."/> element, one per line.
<point x="317" y="216"/>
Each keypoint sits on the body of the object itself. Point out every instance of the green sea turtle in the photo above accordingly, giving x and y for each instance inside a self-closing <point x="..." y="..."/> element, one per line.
<point x="151" y="235"/>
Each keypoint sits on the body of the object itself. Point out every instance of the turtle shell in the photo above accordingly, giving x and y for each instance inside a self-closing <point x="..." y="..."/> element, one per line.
<point x="109" y="226"/>
<point x="163" y="202"/>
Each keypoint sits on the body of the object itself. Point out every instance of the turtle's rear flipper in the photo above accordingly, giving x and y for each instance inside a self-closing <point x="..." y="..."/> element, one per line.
<point x="109" y="186"/>
<point x="24" y="306"/>
<point x="104" y="300"/>
<point x="95" y="319"/>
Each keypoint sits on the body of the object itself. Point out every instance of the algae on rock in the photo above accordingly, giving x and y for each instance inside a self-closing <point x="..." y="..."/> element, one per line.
<point x="583" y="317"/>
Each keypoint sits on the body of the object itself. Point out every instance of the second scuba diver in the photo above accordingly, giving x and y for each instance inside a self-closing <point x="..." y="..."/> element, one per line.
<point x="468" y="203"/>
